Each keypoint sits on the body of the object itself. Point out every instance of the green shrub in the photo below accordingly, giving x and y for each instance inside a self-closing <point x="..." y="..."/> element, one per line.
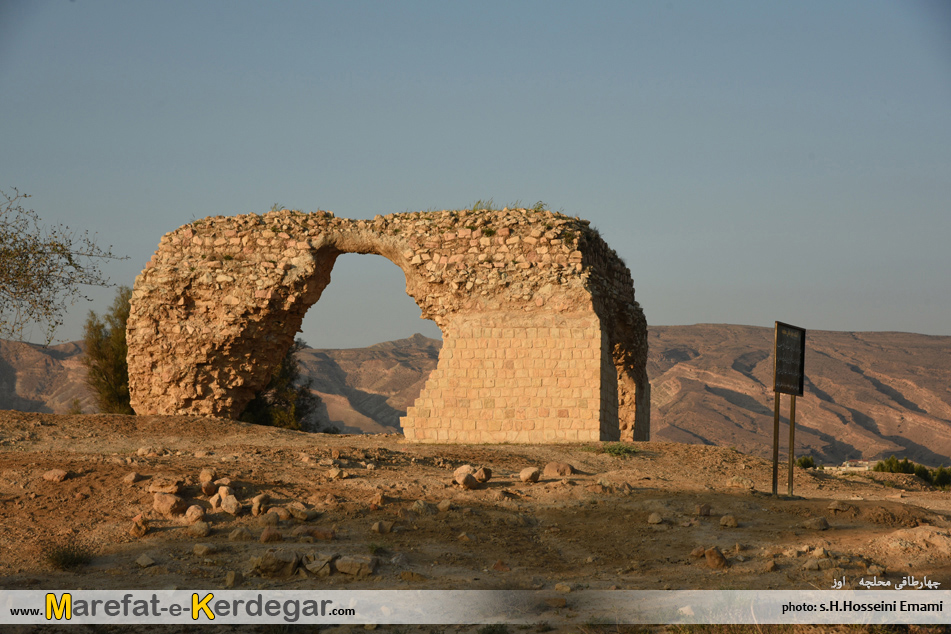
<point x="67" y="556"/>
<point x="619" y="449"/>
<point x="806" y="462"/>
<point x="286" y="401"/>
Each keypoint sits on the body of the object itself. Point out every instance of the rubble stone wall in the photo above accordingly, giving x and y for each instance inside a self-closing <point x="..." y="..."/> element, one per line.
<point x="543" y="340"/>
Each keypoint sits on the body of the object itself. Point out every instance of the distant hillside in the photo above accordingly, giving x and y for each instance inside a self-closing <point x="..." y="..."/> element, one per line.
<point x="868" y="395"/>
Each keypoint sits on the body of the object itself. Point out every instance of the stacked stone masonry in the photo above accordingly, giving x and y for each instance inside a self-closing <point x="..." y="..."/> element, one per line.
<point x="543" y="340"/>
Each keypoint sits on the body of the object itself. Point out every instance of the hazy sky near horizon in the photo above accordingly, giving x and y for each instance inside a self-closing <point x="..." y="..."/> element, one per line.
<point x="750" y="161"/>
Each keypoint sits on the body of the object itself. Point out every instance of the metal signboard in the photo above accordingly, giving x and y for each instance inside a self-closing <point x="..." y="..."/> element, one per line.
<point x="789" y="357"/>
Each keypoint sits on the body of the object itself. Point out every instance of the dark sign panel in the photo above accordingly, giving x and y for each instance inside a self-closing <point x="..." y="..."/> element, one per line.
<point x="789" y="356"/>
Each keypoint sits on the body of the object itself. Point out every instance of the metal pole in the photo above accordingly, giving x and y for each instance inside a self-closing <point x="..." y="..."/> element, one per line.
<point x="792" y="441"/>
<point x="776" y="445"/>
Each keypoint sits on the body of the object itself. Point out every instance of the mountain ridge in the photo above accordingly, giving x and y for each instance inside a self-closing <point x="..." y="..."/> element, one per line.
<point x="868" y="395"/>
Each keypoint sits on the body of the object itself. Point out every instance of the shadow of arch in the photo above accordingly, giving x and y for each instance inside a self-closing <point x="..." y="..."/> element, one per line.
<point x="542" y="338"/>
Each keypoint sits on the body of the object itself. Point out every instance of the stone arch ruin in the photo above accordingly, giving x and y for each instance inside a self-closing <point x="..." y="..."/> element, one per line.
<point x="543" y="340"/>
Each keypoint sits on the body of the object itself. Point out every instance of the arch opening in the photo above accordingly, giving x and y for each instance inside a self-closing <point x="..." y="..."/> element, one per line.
<point x="542" y="338"/>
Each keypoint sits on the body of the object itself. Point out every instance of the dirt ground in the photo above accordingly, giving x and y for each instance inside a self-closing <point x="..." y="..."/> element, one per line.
<point x="630" y="522"/>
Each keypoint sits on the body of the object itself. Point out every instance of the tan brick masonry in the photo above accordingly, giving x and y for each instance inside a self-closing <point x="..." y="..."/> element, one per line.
<point x="542" y="338"/>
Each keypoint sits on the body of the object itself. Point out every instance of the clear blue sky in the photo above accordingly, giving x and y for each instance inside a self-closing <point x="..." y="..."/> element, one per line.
<point x="751" y="161"/>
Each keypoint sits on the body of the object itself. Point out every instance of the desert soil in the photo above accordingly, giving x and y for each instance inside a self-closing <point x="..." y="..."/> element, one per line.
<point x="592" y="529"/>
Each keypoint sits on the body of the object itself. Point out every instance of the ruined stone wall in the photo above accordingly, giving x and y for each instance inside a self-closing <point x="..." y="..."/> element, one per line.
<point x="542" y="338"/>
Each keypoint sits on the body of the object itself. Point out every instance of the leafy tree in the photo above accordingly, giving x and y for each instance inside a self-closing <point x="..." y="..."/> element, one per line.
<point x="41" y="268"/>
<point x="107" y="371"/>
<point x="286" y="401"/>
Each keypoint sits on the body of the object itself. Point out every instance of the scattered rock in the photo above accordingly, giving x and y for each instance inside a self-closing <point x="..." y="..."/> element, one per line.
<point x="839" y="505"/>
<point x="200" y="528"/>
<point x="698" y="552"/>
<point x="563" y="588"/>
<point x="483" y="474"/>
<point x="409" y="575"/>
<point x="300" y="513"/>
<point x="282" y="513"/>
<point x="194" y="513"/>
<point x="131" y="478"/>
<point x="655" y="518"/>
<point x="358" y="565"/>
<point x="529" y="474"/>
<point x="233" y="579"/>
<point x="169" y="504"/>
<point x="715" y="558"/>
<point x="231" y="505"/>
<point x="241" y="534"/>
<point x="55" y="475"/>
<point x="319" y="564"/>
<point x="423" y="507"/>
<point x="275" y="563"/>
<point x="466" y="480"/>
<point x="816" y="524"/>
<point x="703" y="510"/>
<point x="139" y="526"/>
<point x="463" y="470"/>
<point x="271" y="534"/>
<point x="811" y="564"/>
<point x="203" y="550"/>
<point x="875" y="570"/>
<point x="382" y="527"/>
<point x="337" y="474"/>
<point x="739" y="482"/>
<point x="770" y="566"/>
<point x="378" y="499"/>
<point x="444" y="505"/>
<point x="558" y="470"/>
<point x="728" y="521"/>
<point x="208" y="488"/>
<point x="465" y="537"/>
<point x="145" y="561"/>
<point x="165" y="484"/>
<point x="500" y="566"/>
<point x="207" y="475"/>
<point x="258" y="502"/>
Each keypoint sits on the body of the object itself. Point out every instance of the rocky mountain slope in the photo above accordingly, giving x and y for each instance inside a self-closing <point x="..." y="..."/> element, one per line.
<point x="868" y="395"/>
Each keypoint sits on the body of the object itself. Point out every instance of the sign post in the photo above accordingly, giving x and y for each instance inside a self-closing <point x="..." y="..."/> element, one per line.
<point x="789" y="355"/>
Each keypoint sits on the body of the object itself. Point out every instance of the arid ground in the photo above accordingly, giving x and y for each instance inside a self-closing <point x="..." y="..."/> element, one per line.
<point x="637" y="520"/>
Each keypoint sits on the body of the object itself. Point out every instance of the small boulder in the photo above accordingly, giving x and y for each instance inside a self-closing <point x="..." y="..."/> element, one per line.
<point x="558" y="470"/>
<point x="483" y="474"/>
<point x="55" y="475"/>
<point x="703" y="510"/>
<point x="463" y="470"/>
<point x="466" y="480"/>
<point x="271" y="534"/>
<point x="357" y="565"/>
<point x="139" y="526"/>
<point x="200" y="528"/>
<point x="728" y="521"/>
<point x="169" y="504"/>
<point x="258" y="503"/>
<point x="655" y="518"/>
<point x="529" y="474"/>
<point x="203" y="550"/>
<point x="715" y="558"/>
<point x="230" y="504"/>
<point x="275" y="563"/>
<point x="816" y="524"/>
<point x="194" y="513"/>
<point x="241" y="534"/>
<point x="382" y="527"/>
